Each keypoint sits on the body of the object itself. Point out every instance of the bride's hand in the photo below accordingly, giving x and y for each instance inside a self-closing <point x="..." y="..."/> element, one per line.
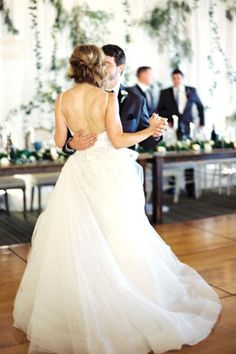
<point x="158" y="125"/>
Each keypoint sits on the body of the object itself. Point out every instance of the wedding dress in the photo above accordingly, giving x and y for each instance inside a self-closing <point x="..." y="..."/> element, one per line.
<point x="99" y="279"/>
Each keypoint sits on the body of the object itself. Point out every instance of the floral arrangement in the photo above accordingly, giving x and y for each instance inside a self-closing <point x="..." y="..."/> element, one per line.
<point x="31" y="156"/>
<point x="192" y="145"/>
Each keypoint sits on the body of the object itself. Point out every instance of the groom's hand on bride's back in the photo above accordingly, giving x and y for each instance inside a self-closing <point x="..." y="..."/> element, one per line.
<point x="81" y="140"/>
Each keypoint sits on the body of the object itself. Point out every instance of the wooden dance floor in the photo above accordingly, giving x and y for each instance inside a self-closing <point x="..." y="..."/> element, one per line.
<point x="209" y="245"/>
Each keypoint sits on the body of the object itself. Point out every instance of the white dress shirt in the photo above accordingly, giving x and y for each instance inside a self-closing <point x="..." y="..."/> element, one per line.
<point x="143" y="87"/>
<point x="116" y="88"/>
<point x="180" y="96"/>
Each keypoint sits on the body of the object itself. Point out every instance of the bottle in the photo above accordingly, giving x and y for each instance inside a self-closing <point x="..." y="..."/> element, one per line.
<point x="214" y="136"/>
<point x="10" y="148"/>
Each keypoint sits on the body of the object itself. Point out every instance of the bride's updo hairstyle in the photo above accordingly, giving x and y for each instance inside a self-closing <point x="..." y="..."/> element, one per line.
<point x="87" y="64"/>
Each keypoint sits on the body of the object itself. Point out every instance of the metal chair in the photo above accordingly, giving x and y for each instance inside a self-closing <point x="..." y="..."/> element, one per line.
<point x="220" y="174"/>
<point x="7" y="183"/>
<point x="38" y="181"/>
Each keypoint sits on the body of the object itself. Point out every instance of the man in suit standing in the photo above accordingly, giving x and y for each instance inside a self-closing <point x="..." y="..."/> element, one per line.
<point x="133" y="110"/>
<point x="179" y="100"/>
<point x="143" y="86"/>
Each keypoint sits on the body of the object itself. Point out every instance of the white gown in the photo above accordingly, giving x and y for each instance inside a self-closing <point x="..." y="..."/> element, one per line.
<point x="99" y="279"/>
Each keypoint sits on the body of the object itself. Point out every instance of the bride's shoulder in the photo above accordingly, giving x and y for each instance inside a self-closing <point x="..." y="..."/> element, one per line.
<point x="99" y="93"/>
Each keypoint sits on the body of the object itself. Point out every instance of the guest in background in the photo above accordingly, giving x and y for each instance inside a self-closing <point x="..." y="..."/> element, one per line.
<point x="179" y="100"/>
<point x="144" y="86"/>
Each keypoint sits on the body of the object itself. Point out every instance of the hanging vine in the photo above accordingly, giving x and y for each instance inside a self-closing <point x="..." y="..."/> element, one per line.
<point x="83" y="25"/>
<point x="230" y="10"/>
<point x="87" y="25"/>
<point x="217" y="46"/>
<point x="7" y="18"/>
<point x="168" y="25"/>
<point x="127" y="21"/>
<point x="33" y="7"/>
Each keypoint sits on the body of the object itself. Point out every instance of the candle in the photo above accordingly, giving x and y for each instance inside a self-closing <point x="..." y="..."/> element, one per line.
<point x="32" y="135"/>
<point x="175" y="121"/>
<point x="192" y="130"/>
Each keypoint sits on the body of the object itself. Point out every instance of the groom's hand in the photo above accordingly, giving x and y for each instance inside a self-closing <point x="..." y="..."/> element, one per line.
<point x="82" y="141"/>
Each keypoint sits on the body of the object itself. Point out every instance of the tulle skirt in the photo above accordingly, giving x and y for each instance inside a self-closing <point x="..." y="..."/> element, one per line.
<point x="99" y="279"/>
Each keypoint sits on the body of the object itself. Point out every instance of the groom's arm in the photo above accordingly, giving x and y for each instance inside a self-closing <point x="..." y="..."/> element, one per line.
<point x="67" y="149"/>
<point x="79" y="141"/>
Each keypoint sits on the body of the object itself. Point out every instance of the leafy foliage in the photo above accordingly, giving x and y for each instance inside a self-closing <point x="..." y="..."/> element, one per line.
<point x="168" y="25"/>
<point x="7" y="18"/>
<point x="217" y="47"/>
<point x="82" y="25"/>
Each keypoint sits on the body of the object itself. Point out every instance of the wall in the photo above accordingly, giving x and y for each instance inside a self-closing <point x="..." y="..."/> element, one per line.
<point x="17" y="70"/>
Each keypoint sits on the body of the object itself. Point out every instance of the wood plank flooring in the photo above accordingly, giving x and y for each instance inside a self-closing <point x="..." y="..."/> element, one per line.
<point x="208" y="245"/>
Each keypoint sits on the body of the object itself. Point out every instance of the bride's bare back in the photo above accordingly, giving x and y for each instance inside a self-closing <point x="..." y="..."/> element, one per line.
<point x="84" y="107"/>
<point x="91" y="109"/>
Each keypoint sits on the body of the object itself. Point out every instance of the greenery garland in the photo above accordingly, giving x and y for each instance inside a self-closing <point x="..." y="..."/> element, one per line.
<point x="191" y="145"/>
<point x="28" y="156"/>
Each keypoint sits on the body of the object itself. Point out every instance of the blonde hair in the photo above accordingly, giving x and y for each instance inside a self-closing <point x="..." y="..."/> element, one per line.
<point x="87" y="64"/>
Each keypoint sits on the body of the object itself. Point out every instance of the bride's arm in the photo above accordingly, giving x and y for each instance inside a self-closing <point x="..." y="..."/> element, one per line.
<point x="60" y="134"/>
<point x="114" y="128"/>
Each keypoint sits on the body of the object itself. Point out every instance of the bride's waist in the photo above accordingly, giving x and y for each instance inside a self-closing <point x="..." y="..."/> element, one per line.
<point x="103" y="151"/>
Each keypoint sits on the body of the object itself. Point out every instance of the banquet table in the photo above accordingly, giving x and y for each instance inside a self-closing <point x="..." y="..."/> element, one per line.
<point x="37" y="167"/>
<point x="158" y="161"/>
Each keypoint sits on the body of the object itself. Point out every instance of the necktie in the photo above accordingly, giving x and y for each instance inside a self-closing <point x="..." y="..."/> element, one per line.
<point x="149" y="99"/>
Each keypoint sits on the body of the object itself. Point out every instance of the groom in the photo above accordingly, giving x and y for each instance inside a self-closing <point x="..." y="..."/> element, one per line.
<point x="133" y="110"/>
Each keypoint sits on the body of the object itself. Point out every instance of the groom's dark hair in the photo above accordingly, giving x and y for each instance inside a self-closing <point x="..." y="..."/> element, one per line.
<point x="112" y="50"/>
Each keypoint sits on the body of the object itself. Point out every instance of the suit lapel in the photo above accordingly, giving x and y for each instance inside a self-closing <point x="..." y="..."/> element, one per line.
<point x="121" y="103"/>
<point x="173" y="98"/>
<point x="119" y="95"/>
<point x="188" y="94"/>
<point x="141" y="91"/>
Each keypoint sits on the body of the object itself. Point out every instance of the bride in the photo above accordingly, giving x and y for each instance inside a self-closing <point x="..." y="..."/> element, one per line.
<point x="99" y="279"/>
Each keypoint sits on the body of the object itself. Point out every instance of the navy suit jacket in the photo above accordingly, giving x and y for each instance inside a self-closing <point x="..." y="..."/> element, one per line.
<point x="150" y="106"/>
<point x="167" y="105"/>
<point x="133" y="114"/>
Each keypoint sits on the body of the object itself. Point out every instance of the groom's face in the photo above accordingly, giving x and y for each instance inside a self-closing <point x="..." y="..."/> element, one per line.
<point x="114" y="71"/>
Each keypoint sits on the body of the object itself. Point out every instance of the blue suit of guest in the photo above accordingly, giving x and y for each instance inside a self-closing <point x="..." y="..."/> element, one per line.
<point x="168" y="105"/>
